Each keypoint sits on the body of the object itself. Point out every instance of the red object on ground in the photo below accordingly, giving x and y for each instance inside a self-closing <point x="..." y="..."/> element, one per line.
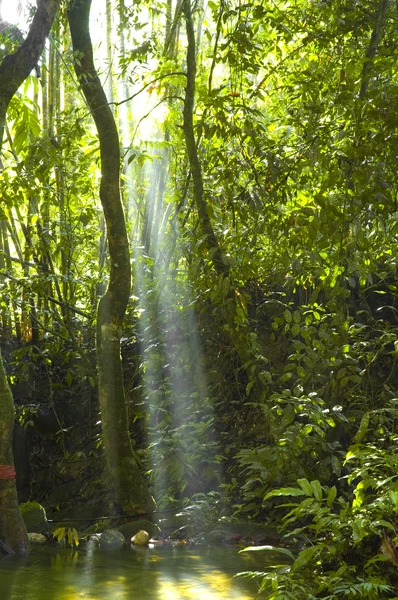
<point x="7" y="472"/>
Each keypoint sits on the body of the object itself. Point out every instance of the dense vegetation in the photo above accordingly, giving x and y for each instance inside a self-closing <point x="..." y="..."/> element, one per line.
<point x="258" y="156"/>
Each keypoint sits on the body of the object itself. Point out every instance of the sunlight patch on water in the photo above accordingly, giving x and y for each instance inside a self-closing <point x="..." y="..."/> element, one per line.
<point x="216" y="586"/>
<point x="194" y="588"/>
<point x="124" y="575"/>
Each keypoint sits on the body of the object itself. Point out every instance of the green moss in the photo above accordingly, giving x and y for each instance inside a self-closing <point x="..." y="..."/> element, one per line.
<point x="130" y="529"/>
<point x="35" y="517"/>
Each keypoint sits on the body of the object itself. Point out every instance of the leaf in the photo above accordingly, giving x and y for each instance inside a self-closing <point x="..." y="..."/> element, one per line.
<point x="359" y="532"/>
<point x="73" y="537"/>
<point x="304" y="558"/>
<point x="288" y="316"/>
<point x="59" y="534"/>
<point x="331" y="496"/>
<point x="317" y="488"/>
<point x="275" y="549"/>
<point x="375" y="559"/>
<point x="305" y="486"/>
<point x="386" y="524"/>
<point x="363" y="428"/>
<point x="295" y="330"/>
<point x="341" y="373"/>
<point x="296" y="316"/>
<point x="353" y="451"/>
<point x="393" y="495"/>
<point x="249" y="387"/>
<point x="288" y="491"/>
<point x="265" y="377"/>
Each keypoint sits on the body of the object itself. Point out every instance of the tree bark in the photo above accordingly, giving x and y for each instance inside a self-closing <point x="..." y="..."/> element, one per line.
<point x="128" y="484"/>
<point x="12" y="528"/>
<point x="14" y="69"/>
<point x="241" y="337"/>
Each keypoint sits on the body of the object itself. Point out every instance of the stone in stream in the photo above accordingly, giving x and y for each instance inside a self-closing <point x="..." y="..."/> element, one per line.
<point x="37" y="538"/>
<point x="34" y="517"/>
<point x="130" y="529"/>
<point x="141" y="538"/>
<point x="111" y="539"/>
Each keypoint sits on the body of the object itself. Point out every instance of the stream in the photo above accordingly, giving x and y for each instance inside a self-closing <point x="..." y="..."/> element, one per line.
<point x="166" y="573"/>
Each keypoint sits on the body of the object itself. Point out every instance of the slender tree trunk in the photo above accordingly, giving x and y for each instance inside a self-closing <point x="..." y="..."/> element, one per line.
<point x="377" y="34"/>
<point x="129" y="485"/>
<point x="238" y="328"/>
<point x="109" y="57"/>
<point x="7" y="266"/>
<point x="12" y="528"/>
<point x="4" y="316"/>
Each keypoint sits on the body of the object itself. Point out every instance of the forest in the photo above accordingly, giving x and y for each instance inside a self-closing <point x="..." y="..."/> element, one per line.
<point x="198" y="295"/>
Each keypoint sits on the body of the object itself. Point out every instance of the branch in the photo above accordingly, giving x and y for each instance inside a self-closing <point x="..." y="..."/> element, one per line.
<point x="147" y="85"/>
<point x="73" y="309"/>
<point x="149" y="112"/>
<point x="16" y="67"/>
<point x="192" y="151"/>
<point x="218" y="33"/>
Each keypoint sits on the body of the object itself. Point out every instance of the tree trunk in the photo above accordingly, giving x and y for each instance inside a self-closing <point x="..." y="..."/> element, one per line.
<point x="128" y="484"/>
<point x="14" y="69"/>
<point x="243" y="340"/>
<point x="12" y="528"/>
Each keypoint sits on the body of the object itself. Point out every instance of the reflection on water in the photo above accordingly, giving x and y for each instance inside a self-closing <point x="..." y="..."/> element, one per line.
<point x="154" y="574"/>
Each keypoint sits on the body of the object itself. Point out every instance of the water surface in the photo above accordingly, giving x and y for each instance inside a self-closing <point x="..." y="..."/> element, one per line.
<point x="167" y="573"/>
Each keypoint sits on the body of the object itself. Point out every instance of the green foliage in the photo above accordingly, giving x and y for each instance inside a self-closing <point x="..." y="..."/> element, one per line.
<point x="69" y="534"/>
<point x="204" y="512"/>
<point x="350" y="537"/>
<point x="295" y="123"/>
<point x="302" y="445"/>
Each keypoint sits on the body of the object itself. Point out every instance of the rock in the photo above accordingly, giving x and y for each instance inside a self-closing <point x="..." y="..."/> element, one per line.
<point x="262" y="540"/>
<point x="130" y="529"/>
<point x="34" y="517"/>
<point x="242" y="532"/>
<point x="111" y="539"/>
<point x="217" y="536"/>
<point x="141" y="538"/>
<point x="94" y="540"/>
<point x="37" y="538"/>
<point x="234" y="538"/>
<point x="249" y="530"/>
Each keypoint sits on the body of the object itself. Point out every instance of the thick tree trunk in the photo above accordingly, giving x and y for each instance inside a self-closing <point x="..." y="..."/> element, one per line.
<point x="12" y="528"/>
<point x="14" y="69"/>
<point x="129" y="485"/>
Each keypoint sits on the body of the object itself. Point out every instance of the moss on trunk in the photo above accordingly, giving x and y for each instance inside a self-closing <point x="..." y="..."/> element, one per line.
<point x="130" y="489"/>
<point x="12" y="527"/>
